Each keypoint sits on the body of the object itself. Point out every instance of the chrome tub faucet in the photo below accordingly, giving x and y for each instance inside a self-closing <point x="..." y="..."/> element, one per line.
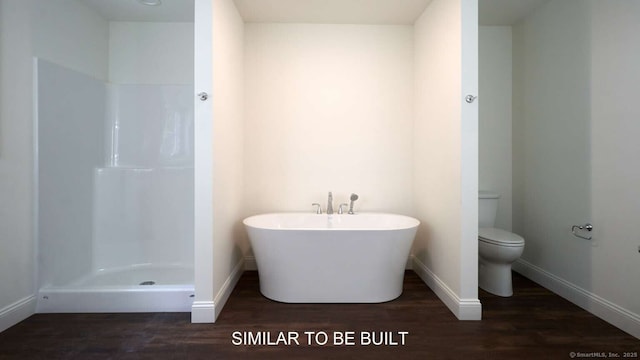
<point x="319" y="209"/>
<point x="340" y="211"/>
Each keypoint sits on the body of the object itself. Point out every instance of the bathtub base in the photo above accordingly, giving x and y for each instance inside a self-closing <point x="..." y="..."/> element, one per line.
<point x="316" y="276"/>
<point x="335" y="294"/>
<point x="337" y="263"/>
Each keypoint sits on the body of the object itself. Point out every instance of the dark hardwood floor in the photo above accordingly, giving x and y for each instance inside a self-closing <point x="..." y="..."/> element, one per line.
<point x="533" y="324"/>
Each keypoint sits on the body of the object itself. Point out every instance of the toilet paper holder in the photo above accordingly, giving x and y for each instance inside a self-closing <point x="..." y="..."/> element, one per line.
<point x="587" y="227"/>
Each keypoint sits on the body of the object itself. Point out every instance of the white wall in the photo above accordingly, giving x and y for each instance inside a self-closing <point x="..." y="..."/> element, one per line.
<point x="328" y="108"/>
<point x="69" y="33"/>
<point x="228" y="131"/>
<point x="551" y="78"/>
<point x="62" y="31"/>
<point x="574" y="149"/>
<point x="150" y="53"/>
<point x="445" y="186"/>
<point x="615" y="55"/>
<point x="17" y="265"/>
<point x="470" y="308"/>
<point x="203" y="307"/>
<point x="495" y="148"/>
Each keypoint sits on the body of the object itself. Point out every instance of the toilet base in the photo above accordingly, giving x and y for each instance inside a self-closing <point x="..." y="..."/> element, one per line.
<point x="495" y="278"/>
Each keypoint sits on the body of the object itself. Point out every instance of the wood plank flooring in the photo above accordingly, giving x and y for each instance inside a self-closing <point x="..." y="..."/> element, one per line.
<point x="533" y="324"/>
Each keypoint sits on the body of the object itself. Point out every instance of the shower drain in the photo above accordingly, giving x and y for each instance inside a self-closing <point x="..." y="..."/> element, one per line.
<point x="148" y="282"/>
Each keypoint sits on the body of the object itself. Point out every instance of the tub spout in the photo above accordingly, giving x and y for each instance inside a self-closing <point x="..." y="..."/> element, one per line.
<point x="330" y="204"/>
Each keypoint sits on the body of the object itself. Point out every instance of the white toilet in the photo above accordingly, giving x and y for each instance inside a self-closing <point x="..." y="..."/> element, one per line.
<point x="498" y="248"/>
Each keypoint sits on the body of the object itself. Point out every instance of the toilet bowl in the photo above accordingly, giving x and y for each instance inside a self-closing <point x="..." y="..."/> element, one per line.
<point x="498" y="249"/>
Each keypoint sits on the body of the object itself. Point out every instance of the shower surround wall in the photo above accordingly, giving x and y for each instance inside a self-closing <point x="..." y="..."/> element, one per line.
<point x="143" y="198"/>
<point x="117" y="194"/>
<point x="65" y="163"/>
<point x="149" y="148"/>
<point x="135" y="211"/>
<point x="116" y="176"/>
<point x="75" y="36"/>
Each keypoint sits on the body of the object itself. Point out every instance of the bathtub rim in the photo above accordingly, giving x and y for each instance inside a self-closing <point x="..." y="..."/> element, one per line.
<point x="407" y="222"/>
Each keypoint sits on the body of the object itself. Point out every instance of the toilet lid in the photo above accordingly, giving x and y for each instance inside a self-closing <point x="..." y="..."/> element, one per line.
<point x="499" y="237"/>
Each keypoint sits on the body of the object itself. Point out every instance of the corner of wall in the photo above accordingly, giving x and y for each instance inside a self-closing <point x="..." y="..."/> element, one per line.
<point x="219" y="72"/>
<point x="446" y="138"/>
<point x="16" y="312"/>
<point x="463" y="309"/>
<point x="17" y="265"/>
<point x="208" y="311"/>
<point x="203" y="312"/>
<point x="517" y="130"/>
<point x="203" y="309"/>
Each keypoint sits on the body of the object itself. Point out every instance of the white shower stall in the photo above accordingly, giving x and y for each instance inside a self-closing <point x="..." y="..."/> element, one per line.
<point x="114" y="174"/>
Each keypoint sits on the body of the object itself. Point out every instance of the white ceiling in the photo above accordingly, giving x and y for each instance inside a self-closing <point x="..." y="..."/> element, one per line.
<point x="491" y="12"/>
<point x="505" y="12"/>
<point x="132" y="10"/>
<point x="332" y="11"/>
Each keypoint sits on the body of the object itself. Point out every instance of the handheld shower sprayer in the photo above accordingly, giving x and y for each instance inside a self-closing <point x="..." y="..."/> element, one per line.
<point x="353" y="198"/>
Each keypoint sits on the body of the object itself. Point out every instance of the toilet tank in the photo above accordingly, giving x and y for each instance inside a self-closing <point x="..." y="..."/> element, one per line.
<point x="487" y="208"/>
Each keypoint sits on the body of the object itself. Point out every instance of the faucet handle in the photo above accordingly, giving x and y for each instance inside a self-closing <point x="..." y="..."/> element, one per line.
<point x="340" y="211"/>
<point x="319" y="209"/>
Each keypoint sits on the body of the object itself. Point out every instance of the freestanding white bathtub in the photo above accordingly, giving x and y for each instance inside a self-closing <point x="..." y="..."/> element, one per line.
<point x="310" y="258"/>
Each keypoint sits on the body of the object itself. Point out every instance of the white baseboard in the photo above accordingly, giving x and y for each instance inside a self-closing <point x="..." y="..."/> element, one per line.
<point x="208" y="311"/>
<point x="463" y="309"/>
<point x="223" y="295"/>
<point x="203" y="312"/>
<point x="602" y="308"/>
<point x="16" y="312"/>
